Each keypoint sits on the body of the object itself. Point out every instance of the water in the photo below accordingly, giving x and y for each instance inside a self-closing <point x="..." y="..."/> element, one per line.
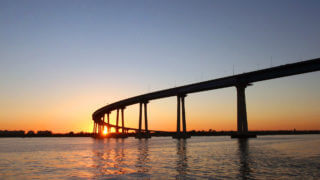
<point x="271" y="157"/>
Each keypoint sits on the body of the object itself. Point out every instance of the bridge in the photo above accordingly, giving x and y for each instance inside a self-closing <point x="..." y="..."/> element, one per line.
<point x="240" y="82"/>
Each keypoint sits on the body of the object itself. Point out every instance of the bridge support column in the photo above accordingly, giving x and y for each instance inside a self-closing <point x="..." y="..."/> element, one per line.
<point x="242" y="123"/>
<point x="181" y="102"/>
<point x="98" y="129"/>
<point x="178" y="115"/>
<point x="108" y="120"/>
<point x="184" y="125"/>
<point x="122" y="118"/>
<point x="146" y="133"/>
<point x="140" y="118"/>
<point x="117" y="122"/>
<point x="146" y="118"/>
<point x="103" y="124"/>
<point x="100" y="126"/>
<point x="242" y="110"/>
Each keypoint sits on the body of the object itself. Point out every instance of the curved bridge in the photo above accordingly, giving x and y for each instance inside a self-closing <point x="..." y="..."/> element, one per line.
<point x="240" y="81"/>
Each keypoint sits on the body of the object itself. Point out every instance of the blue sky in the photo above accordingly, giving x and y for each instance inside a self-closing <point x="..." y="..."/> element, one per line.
<point x="97" y="52"/>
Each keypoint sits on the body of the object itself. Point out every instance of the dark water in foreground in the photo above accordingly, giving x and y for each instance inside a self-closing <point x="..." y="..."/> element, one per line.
<point x="271" y="157"/>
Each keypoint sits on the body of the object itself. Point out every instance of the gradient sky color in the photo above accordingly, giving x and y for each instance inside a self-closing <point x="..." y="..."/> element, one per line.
<point x="62" y="60"/>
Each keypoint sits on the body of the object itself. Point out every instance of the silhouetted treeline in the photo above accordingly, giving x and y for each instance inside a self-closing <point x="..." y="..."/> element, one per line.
<point x="230" y="133"/>
<point x="272" y="132"/>
<point x="7" y="133"/>
<point x="286" y="132"/>
<point x="20" y="133"/>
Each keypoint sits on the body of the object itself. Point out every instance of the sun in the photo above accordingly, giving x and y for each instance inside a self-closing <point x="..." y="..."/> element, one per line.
<point x="105" y="131"/>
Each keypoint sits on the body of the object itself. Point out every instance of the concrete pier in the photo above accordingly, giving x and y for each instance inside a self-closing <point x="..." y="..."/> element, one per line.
<point x="183" y="134"/>
<point x="242" y="109"/>
<point x="122" y="120"/>
<point x="117" y="122"/>
<point x="108" y="120"/>
<point x="146" y="133"/>
<point x="140" y="117"/>
<point x="242" y="122"/>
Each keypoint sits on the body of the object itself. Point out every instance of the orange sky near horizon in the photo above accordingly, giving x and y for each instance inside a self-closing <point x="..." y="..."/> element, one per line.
<point x="279" y="104"/>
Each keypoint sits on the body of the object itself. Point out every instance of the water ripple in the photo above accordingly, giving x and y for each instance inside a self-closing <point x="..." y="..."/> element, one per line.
<point x="268" y="157"/>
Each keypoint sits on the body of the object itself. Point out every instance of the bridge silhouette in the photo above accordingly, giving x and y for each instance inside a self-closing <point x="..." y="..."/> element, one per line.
<point x="240" y="81"/>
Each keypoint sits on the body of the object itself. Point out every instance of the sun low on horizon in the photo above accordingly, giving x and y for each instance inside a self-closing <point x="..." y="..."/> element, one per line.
<point x="105" y="131"/>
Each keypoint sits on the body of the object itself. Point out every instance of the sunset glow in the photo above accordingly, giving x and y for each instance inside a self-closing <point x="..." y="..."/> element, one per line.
<point x="105" y="131"/>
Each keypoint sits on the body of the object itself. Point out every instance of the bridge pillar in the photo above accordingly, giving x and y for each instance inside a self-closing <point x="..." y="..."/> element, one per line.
<point x="100" y="126"/>
<point x="97" y="128"/>
<point x="184" y="125"/>
<point x="178" y="115"/>
<point x="108" y="120"/>
<point x="122" y="118"/>
<point x="242" y="123"/>
<point x="146" y="117"/>
<point x="143" y="105"/>
<point x="117" y="122"/>
<point x="242" y="110"/>
<point x="103" y="124"/>
<point x="140" y="118"/>
<point x="181" y="106"/>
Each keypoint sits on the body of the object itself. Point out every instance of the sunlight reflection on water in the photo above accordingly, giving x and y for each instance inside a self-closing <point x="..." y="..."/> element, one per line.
<point x="269" y="157"/>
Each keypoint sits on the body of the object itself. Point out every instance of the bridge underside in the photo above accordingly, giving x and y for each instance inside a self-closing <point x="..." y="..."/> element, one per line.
<point x="240" y="81"/>
<point x="99" y="126"/>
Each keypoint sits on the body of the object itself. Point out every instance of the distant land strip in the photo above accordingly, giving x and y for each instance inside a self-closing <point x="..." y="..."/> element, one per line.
<point x="6" y="133"/>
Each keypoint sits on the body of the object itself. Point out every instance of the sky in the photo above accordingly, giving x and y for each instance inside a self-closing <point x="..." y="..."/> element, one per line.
<point x="62" y="60"/>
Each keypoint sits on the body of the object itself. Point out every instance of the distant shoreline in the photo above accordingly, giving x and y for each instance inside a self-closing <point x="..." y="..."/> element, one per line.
<point x="5" y="134"/>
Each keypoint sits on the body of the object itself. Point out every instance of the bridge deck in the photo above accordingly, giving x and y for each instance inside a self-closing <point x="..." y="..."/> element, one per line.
<point x="245" y="78"/>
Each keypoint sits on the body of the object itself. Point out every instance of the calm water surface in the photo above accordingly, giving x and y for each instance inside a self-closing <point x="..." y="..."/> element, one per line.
<point x="271" y="157"/>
